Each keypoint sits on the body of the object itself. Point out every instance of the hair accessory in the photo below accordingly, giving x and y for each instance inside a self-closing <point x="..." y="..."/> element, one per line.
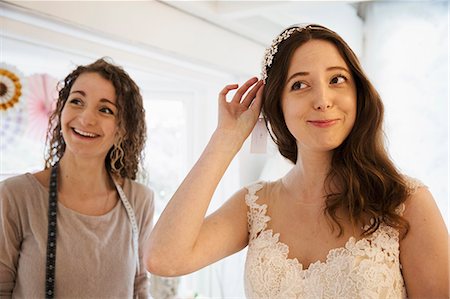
<point x="270" y="52"/>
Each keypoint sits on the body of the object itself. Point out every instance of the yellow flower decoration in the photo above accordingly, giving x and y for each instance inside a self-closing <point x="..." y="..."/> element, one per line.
<point x="10" y="89"/>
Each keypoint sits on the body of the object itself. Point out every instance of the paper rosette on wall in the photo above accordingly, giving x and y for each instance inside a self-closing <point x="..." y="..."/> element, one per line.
<point x="41" y="100"/>
<point x="12" y="107"/>
<point x="10" y="86"/>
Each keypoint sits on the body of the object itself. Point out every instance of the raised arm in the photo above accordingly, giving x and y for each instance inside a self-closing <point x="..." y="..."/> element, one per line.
<point x="183" y="241"/>
<point x="424" y="252"/>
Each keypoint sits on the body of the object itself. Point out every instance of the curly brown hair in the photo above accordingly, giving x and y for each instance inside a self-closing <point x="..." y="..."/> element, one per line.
<point x="124" y="157"/>
<point x="369" y="182"/>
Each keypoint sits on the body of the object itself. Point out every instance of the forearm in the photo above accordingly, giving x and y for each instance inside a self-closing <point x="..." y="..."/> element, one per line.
<point x="174" y="237"/>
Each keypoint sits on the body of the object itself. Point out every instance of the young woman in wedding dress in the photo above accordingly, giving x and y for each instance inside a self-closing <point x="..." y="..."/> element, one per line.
<point x="343" y="223"/>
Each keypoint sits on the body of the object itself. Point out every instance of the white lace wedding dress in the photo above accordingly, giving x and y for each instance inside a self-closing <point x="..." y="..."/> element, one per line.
<point x="367" y="268"/>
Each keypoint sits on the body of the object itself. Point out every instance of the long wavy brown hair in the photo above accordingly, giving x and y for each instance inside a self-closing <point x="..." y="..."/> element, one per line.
<point x="369" y="182"/>
<point x="124" y="157"/>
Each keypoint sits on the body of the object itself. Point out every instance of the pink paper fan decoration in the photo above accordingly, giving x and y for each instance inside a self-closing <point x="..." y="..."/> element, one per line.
<point x="41" y="100"/>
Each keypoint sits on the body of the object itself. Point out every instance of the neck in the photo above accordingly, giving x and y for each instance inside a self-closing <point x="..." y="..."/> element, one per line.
<point x="306" y="180"/>
<point x="83" y="176"/>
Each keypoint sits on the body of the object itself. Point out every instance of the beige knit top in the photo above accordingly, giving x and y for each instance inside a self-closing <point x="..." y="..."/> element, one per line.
<point x="94" y="254"/>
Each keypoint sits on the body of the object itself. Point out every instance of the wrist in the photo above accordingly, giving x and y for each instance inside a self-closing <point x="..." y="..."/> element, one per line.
<point x="227" y="140"/>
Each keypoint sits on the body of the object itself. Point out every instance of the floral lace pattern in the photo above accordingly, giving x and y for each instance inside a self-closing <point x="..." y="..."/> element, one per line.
<point x="367" y="268"/>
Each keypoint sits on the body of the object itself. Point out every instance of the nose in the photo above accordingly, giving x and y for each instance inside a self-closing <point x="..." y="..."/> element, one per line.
<point x="323" y="99"/>
<point x="88" y="117"/>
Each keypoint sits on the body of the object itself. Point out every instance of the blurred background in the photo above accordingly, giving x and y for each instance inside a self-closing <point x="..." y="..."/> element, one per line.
<point x="181" y="54"/>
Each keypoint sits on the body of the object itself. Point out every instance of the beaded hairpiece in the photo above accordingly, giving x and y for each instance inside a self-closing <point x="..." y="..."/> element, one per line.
<point x="270" y="52"/>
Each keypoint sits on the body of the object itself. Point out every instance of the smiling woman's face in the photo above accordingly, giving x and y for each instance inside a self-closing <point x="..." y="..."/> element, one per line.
<point x="88" y="119"/>
<point x="319" y="97"/>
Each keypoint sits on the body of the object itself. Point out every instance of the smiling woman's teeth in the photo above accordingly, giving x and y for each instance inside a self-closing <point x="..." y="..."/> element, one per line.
<point x="86" y="134"/>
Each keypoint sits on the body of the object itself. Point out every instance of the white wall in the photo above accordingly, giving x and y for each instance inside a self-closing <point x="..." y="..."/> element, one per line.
<point x="156" y="26"/>
<point x="407" y="58"/>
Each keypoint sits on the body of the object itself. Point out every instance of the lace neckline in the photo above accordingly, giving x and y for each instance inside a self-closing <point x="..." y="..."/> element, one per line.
<point x="260" y="231"/>
<point x="350" y="245"/>
<point x="364" y="268"/>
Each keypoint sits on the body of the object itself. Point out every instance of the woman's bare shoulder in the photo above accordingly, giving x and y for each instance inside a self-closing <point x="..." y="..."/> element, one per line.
<point x="261" y="192"/>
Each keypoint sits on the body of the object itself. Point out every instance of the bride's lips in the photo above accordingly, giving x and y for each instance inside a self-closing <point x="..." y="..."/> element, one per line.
<point x="325" y="123"/>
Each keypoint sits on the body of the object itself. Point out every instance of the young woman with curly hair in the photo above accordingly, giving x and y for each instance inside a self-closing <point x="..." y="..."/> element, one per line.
<point x="343" y="223"/>
<point x="76" y="229"/>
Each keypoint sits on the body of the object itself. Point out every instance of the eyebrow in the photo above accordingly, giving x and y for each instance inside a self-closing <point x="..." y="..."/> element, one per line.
<point x="331" y="68"/>
<point x="102" y="100"/>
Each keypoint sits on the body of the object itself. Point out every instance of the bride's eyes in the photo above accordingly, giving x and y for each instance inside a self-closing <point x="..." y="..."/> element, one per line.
<point x="298" y="85"/>
<point x="338" y="79"/>
<point x="335" y="80"/>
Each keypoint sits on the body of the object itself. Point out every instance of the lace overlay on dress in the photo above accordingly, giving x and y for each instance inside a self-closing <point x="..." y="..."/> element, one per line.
<point x="367" y="268"/>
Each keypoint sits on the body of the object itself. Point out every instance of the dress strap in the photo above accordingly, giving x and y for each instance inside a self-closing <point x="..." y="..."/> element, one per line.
<point x="413" y="184"/>
<point x="256" y="216"/>
<point x="132" y="218"/>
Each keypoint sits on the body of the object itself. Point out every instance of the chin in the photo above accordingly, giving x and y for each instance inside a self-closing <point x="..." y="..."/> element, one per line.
<point x="329" y="147"/>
